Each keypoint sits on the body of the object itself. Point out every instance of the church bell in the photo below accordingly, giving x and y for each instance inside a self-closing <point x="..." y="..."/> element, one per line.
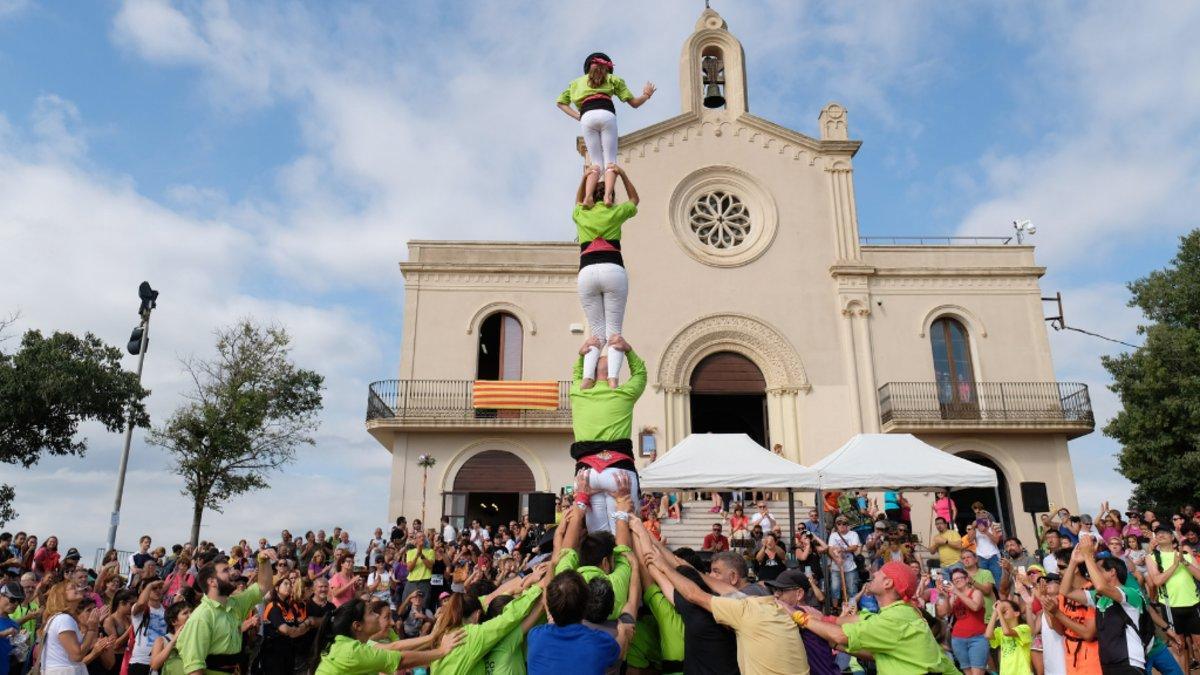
<point x="714" y="97"/>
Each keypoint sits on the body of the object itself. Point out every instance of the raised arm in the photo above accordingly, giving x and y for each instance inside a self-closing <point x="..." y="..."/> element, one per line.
<point x="693" y="593"/>
<point x="629" y="189"/>
<point x="579" y="193"/>
<point x="647" y="92"/>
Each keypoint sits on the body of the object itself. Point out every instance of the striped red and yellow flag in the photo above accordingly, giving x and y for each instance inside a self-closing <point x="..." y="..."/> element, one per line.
<point x="515" y="394"/>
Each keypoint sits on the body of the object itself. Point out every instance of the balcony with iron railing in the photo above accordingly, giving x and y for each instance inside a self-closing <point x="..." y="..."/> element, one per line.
<point x="439" y="404"/>
<point x="998" y="407"/>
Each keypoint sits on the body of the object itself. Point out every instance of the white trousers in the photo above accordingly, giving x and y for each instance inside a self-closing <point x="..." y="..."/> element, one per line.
<point x="603" y="289"/>
<point x="600" y="136"/>
<point x="603" y="505"/>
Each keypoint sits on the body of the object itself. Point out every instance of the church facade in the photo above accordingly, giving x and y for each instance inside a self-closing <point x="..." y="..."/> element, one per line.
<point x="757" y="307"/>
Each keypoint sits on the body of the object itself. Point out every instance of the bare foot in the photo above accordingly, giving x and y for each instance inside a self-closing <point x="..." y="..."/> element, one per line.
<point x="612" y="383"/>
<point x="588" y="383"/>
<point x="589" y="202"/>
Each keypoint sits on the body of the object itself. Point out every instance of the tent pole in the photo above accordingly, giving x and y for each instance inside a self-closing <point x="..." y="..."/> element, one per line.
<point x="792" y="521"/>
<point x="820" y="497"/>
<point x="1000" y="509"/>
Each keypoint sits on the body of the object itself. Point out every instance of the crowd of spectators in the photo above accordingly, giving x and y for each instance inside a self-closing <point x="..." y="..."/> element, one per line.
<point x="857" y="591"/>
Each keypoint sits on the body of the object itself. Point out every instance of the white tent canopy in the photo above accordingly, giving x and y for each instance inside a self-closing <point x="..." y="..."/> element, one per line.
<point x="720" y="462"/>
<point x="893" y="461"/>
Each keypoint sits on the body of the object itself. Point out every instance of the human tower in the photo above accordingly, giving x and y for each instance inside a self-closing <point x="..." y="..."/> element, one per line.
<point x="602" y="406"/>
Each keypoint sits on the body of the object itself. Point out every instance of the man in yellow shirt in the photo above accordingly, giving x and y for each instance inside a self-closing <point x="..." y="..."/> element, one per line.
<point x="768" y="642"/>
<point x="420" y="569"/>
<point x="948" y="545"/>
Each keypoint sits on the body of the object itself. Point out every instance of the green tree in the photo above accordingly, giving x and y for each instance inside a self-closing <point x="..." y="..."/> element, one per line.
<point x="52" y="384"/>
<point x="248" y="410"/>
<point x="1159" y="386"/>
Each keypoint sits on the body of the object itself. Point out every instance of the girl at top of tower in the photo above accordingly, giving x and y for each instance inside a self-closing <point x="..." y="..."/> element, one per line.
<point x="603" y="283"/>
<point x="592" y="95"/>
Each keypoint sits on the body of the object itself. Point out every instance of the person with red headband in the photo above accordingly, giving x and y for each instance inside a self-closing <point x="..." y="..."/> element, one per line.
<point x="592" y="96"/>
<point x="898" y="637"/>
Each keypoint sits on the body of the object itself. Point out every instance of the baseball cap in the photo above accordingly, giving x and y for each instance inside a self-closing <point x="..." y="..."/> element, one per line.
<point x="904" y="580"/>
<point x="72" y="553"/>
<point x="13" y="591"/>
<point x="1053" y="576"/>
<point x="788" y="580"/>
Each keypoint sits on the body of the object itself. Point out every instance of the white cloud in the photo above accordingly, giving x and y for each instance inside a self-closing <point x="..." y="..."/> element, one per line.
<point x="78" y="241"/>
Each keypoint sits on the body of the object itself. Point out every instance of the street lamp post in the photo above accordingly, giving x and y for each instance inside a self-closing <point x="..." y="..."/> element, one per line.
<point x="138" y="342"/>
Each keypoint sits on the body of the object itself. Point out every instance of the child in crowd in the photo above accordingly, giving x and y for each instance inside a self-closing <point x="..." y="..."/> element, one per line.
<point x="1014" y="638"/>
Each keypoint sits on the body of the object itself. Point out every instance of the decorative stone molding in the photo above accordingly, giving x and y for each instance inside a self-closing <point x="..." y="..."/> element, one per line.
<point x="972" y="321"/>
<point x="746" y="335"/>
<point x="833" y="122"/>
<point x="756" y="205"/>
<point x="541" y="476"/>
<point x="487" y="310"/>
<point x="492" y="278"/>
<point x="952" y="282"/>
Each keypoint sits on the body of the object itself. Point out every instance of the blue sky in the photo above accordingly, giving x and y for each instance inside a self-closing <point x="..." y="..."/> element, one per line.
<point x="271" y="159"/>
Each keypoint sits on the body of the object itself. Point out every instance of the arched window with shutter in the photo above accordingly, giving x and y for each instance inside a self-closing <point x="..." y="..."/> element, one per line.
<point x="953" y="369"/>
<point x="501" y="342"/>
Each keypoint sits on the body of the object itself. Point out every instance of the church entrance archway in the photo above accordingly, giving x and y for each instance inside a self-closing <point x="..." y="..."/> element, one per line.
<point x="729" y="396"/>
<point x="492" y="487"/>
<point x="963" y="498"/>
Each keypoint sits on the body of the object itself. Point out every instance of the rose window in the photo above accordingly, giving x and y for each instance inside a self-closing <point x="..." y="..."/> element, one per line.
<point x="720" y="220"/>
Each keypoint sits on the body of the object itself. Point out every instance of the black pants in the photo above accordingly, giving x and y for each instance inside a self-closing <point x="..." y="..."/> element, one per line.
<point x="1123" y="669"/>
<point x="139" y="669"/>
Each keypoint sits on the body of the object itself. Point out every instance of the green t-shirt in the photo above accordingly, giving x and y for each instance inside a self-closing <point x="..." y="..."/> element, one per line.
<point x="580" y="88"/>
<point x="900" y="640"/>
<point x="215" y="628"/>
<point x="1016" y="652"/>
<point x="600" y="221"/>
<point x="983" y="576"/>
<point x="670" y="624"/>
<point x="1180" y="589"/>
<point x="467" y="657"/>
<point x="645" y="650"/>
<point x="601" y="413"/>
<point x="347" y="656"/>
<point x="620" y="578"/>
<point x="30" y="627"/>
<point x="507" y="657"/>
<point x="418" y="572"/>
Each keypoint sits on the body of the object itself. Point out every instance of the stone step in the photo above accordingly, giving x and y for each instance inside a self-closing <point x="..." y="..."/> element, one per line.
<point x="697" y="522"/>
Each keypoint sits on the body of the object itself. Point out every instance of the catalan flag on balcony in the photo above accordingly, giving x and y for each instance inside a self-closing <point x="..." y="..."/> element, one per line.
<point x="515" y="394"/>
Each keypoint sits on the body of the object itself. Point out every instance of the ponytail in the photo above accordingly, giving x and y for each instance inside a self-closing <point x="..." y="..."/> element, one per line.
<point x="338" y="622"/>
<point x="454" y="614"/>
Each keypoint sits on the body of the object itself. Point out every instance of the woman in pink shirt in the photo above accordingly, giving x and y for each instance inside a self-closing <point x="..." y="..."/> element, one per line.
<point x="343" y="584"/>
<point x="944" y="507"/>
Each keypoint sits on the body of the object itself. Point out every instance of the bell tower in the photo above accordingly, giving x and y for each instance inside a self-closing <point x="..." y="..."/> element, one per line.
<point x="712" y="70"/>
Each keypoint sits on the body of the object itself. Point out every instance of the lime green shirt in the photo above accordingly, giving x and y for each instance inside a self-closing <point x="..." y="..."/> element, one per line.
<point x="621" y="577"/>
<point x="507" y="657"/>
<point x="580" y="88"/>
<point x="670" y="624"/>
<point x="30" y="627"/>
<point x="417" y="572"/>
<point x="645" y="649"/>
<point x="215" y="628"/>
<point x="983" y="576"/>
<point x="601" y="413"/>
<point x="467" y="657"/>
<point x="1016" y="652"/>
<point x="600" y="221"/>
<point x="900" y="640"/>
<point x="347" y="656"/>
<point x="1180" y="589"/>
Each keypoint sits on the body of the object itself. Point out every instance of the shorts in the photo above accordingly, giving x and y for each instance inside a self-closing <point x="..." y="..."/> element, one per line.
<point x="970" y="652"/>
<point x="1186" y="620"/>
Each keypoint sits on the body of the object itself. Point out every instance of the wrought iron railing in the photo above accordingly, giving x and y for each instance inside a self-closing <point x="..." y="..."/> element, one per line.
<point x="449" y="400"/>
<point x="935" y="241"/>
<point x="1027" y="402"/>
